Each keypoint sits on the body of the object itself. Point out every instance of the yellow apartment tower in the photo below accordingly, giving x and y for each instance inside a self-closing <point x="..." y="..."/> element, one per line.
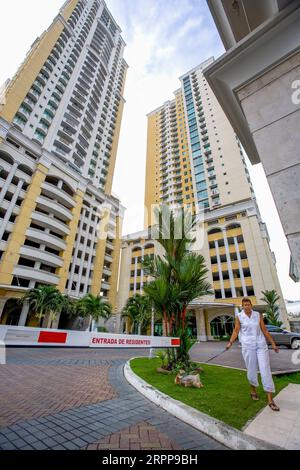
<point x="59" y="129"/>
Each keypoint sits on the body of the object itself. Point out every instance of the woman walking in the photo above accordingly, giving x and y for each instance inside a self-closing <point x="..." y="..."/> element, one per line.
<point x="253" y="333"/>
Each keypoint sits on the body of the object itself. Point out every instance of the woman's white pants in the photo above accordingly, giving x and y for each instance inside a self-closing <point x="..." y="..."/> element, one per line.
<point x="258" y="360"/>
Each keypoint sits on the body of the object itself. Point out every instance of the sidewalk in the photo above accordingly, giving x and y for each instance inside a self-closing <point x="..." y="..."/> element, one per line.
<point x="283" y="428"/>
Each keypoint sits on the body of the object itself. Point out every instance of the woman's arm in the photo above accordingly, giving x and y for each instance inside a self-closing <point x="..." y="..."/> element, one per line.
<point x="267" y="334"/>
<point x="235" y="332"/>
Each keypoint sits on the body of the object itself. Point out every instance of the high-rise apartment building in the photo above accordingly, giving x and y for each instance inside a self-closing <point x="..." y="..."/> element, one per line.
<point x="195" y="159"/>
<point x="59" y="129"/>
<point x="193" y="155"/>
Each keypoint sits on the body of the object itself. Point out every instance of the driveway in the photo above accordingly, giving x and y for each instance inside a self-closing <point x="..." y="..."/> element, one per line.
<point x="79" y="399"/>
<point x="204" y="351"/>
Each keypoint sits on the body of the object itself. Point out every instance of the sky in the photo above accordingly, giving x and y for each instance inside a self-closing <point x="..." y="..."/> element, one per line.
<point x="165" y="38"/>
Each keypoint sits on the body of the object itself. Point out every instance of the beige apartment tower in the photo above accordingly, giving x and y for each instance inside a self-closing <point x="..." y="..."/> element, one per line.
<point x="59" y="130"/>
<point x="195" y="159"/>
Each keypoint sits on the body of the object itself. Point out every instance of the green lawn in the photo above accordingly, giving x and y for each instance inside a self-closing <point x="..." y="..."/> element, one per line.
<point x="225" y="394"/>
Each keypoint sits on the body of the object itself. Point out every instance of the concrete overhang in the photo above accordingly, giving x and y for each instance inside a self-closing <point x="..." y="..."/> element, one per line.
<point x="235" y="19"/>
<point x="264" y="48"/>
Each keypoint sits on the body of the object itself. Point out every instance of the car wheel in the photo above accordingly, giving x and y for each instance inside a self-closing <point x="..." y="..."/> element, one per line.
<point x="295" y="343"/>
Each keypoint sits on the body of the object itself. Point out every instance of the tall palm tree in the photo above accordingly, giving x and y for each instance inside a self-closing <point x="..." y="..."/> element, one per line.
<point x="138" y="311"/>
<point x="44" y="300"/>
<point x="179" y="276"/>
<point x="94" y="307"/>
<point x="270" y="297"/>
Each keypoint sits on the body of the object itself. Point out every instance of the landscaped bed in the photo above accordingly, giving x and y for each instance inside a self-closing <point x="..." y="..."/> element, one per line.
<point x="225" y="395"/>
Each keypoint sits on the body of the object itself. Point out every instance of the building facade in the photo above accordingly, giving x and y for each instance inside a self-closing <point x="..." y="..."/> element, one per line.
<point x="194" y="159"/>
<point x="257" y="84"/>
<point x="59" y="129"/>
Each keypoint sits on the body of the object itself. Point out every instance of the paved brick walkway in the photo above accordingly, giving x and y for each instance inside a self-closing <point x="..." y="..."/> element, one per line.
<point x="79" y="399"/>
<point x="141" y="436"/>
<point x="44" y="390"/>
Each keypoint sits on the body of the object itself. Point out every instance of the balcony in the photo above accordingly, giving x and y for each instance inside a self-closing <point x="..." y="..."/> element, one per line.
<point x="54" y="207"/>
<point x="42" y="79"/>
<point x="78" y="160"/>
<point x="39" y="236"/>
<point x="35" y="274"/>
<point x="24" y="112"/>
<point x="61" y="196"/>
<point x="214" y="192"/>
<point x="37" y="85"/>
<point x="30" y="104"/>
<point x="49" y="65"/>
<point x="57" y="94"/>
<point x="38" y="138"/>
<point x="47" y="117"/>
<point x="66" y="136"/>
<point x="48" y="222"/>
<point x="40" y="255"/>
<point x="71" y="122"/>
<point x="42" y="128"/>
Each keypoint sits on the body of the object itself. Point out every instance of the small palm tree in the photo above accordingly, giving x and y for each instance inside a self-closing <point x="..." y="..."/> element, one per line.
<point x="44" y="300"/>
<point x="270" y="297"/>
<point x="138" y="311"/>
<point x="94" y="307"/>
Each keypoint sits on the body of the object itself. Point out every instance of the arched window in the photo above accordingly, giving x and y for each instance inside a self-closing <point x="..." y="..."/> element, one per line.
<point x="148" y="246"/>
<point x="6" y="158"/>
<point x="25" y="169"/>
<point x="214" y="230"/>
<point x="232" y="226"/>
<point x="222" y="326"/>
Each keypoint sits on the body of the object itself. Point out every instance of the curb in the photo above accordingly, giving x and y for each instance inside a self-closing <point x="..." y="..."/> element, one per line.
<point x="221" y="432"/>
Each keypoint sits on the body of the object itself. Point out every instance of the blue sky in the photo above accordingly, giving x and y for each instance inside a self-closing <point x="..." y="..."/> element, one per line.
<point x="165" y="38"/>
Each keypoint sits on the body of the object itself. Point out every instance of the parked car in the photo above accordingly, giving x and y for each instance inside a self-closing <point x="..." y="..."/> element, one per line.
<point x="283" y="337"/>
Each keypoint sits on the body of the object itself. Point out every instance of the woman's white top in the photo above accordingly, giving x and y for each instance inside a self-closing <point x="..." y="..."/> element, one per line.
<point x="251" y="335"/>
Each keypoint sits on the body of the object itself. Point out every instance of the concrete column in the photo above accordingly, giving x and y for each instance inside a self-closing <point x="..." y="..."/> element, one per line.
<point x="135" y="274"/>
<point x="8" y="181"/>
<point x="201" y="327"/>
<point x="10" y="209"/>
<point x="71" y="276"/>
<point x="24" y="314"/>
<point x="118" y="323"/>
<point x="56" y="321"/>
<point x="142" y="272"/>
<point x="84" y="250"/>
<point x="233" y="291"/>
<point x="240" y="266"/>
<point x="220" y="268"/>
<point x="89" y="262"/>
<point x="2" y="305"/>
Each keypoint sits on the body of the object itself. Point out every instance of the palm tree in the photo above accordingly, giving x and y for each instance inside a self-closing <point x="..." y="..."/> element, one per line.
<point x="178" y="277"/>
<point x="270" y="297"/>
<point x="44" y="300"/>
<point x="138" y="311"/>
<point x="94" y="307"/>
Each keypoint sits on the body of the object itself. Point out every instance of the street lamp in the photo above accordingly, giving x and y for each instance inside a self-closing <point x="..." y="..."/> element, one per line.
<point x="151" y="352"/>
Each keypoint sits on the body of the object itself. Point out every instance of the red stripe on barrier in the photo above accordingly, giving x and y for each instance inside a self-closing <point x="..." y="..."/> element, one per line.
<point x="52" y="337"/>
<point x="175" y="342"/>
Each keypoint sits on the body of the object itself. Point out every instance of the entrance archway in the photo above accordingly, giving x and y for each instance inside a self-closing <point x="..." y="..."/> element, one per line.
<point x="11" y="313"/>
<point x="222" y="325"/>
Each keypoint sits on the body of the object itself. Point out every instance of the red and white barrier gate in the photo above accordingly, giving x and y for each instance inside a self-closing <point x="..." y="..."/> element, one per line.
<point x="23" y="336"/>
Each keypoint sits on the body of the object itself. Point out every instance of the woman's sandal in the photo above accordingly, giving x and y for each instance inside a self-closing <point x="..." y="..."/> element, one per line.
<point x="254" y="396"/>
<point x="273" y="406"/>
